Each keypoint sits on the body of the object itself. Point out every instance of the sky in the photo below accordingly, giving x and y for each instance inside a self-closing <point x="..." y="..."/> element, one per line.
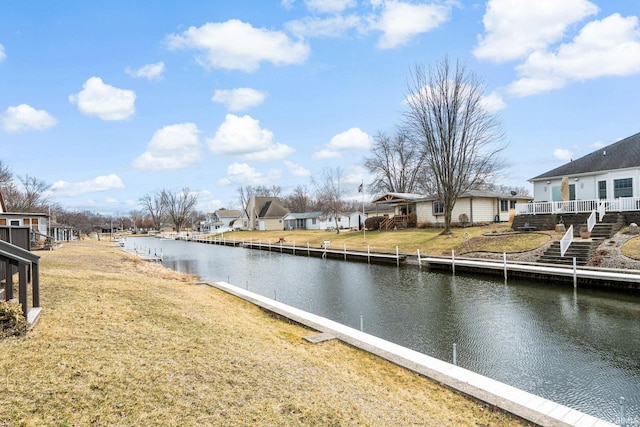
<point x="107" y="101"/>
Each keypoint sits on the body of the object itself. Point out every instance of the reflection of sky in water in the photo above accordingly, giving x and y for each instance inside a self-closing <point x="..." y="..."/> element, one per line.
<point x="579" y="348"/>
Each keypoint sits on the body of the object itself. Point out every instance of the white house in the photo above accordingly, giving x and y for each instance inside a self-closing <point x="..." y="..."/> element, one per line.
<point x="609" y="173"/>
<point x="473" y="207"/>
<point x="314" y="221"/>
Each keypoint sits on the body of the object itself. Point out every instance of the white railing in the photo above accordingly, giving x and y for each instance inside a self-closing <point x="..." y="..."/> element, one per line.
<point x="566" y="241"/>
<point x="601" y="211"/>
<point x="579" y="206"/>
<point x="591" y="221"/>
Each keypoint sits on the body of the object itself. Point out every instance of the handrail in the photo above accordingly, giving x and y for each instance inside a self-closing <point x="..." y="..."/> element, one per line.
<point x="601" y="211"/>
<point x="579" y="206"/>
<point x="566" y="240"/>
<point x="591" y="221"/>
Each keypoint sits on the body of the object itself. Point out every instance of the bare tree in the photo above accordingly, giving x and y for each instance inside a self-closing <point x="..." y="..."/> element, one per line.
<point x="244" y="192"/>
<point x="179" y="206"/>
<point x="461" y="139"/>
<point x="6" y="176"/>
<point x="396" y="163"/>
<point x="153" y="205"/>
<point x="29" y="196"/>
<point x="299" y="200"/>
<point x="330" y="192"/>
<point x="264" y="191"/>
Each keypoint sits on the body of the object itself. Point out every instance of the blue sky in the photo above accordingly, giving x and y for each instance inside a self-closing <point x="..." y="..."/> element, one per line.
<point x="109" y="100"/>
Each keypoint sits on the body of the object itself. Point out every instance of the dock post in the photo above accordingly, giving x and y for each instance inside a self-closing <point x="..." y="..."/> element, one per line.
<point x="623" y="417"/>
<point x="361" y="323"/>
<point x="368" y="254"/>
<point x="455" y="354"/>
<point x="453" y="261"/>
<point x="419" y="260"/>
<point x="345" y="251"/>
<point x="575" y="274"/>
<point x="294" y="247"/>
<point x="308" y="253"/>
<point x="397" y="257"/>
<point x="504" y="257"/>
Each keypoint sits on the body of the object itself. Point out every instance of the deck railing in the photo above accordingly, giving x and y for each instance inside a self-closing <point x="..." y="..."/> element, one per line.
<point x="17" y="260"/>
<point x="579" y="206"/>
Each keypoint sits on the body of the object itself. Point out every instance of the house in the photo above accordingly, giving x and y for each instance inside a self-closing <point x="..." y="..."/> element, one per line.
<point x="303" y="221"/>
<point x="609" y="173"/>
<point x="222" y="220"/>
<point x="314" y="221"/>
<point x="472" y="207"/>
<point x="264" y="213"/>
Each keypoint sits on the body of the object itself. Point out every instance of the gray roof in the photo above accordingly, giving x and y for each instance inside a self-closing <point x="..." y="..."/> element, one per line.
<point x="271" y="209"/>
<point x="620" y="155"/>
<point x="304" y="215"/>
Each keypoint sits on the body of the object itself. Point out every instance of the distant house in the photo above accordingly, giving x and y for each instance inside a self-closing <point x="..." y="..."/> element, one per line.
<point x="303" y="221"/>
<point x="473" y="207"/>
<point x="264" y="213"/>
<point x="223" y="219"/>
<point x="609" y="173"/>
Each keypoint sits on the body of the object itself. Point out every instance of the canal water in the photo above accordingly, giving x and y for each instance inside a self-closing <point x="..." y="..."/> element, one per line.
<point x="580" y="348"/>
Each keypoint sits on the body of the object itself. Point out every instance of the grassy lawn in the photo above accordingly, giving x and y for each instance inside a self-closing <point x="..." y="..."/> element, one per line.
<point x="124" y="342"/>
<point x="429" y="241"/>
<point x="631" y="248"/>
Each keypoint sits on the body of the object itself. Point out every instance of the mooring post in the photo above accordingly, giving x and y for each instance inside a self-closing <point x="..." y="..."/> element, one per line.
<point x="397" y="257"/>
<point x="504" y="257"/>
<point x="345" y="251"/>
<point x="308" y="253"/>
<point x="275" y="295"/>
<point x="575" y="274"/>
<point x="368" y="254"/>
<point x="361" y="323"/>
<point x="419" y="260"/>
<point x="623" y="417"/>
<point x="453" y="261"/>
<point x="294" y="247"/>
<point x="455" y="354"/>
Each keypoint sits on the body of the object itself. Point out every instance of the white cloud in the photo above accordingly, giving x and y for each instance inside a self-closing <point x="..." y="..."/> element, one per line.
<point x="326" y="154"/>
<point x="515" y="28"/>
<point x="105" y="101"/>
<point x="3" y="55"/>
<point x="235" y="45"/>
<point x="352" y="139"/>
<point x="493" y="102"/>
<point x="172" y="147"/>
<point x="329" y="6"/>
<point x="239" y="99"/>
<point x="149" y="71"/>
<point x="608" y="47"/>
<point x="296" y="170"/>
<point x="400" y="21"/>
<point x="287" y="4"/>
<point x="243" y="136"/>
<point x="101" y="183"/>
<point x="334" y="26"/>
<point x="24" y="117"/>
<point x="562" y="154"/>
<point x="243" y="174"/>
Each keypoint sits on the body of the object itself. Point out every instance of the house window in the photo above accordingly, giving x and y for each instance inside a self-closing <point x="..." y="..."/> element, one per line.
<point x="438" y="208"/>
<point x="313" y="221"/>
<point x="504" y="206"/>
<point x="602" y="190"/>
<point x="339" y="219"/>
<point x="623" y="187"/>
<point x="15" y="223"/>
<point x="512" y="204"/>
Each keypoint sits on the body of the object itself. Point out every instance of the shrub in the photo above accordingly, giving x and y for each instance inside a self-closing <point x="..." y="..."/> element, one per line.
<point x="373" y="223"/>
<point x="12" y="321"/>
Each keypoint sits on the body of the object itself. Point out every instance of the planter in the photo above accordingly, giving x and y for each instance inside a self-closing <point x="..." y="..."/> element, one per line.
<point x="585" y="233"/>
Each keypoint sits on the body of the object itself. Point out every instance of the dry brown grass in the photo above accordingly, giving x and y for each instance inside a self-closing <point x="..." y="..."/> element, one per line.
<point x="123" y="342"/>
<point x="631" y="248"/>
<point x="429" y="241"/>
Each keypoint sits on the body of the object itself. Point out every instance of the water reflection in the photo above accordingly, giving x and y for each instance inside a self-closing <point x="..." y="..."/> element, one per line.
<point x="580" y="348"/>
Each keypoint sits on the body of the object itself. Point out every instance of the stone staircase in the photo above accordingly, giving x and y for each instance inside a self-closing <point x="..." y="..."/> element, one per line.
<point x="583" y="249"/>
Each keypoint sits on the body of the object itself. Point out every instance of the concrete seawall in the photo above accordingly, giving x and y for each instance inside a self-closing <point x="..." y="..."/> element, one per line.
<point x="510" y="399"/>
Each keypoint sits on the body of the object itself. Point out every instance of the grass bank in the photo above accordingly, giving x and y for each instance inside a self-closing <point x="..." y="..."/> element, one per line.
<point x="494" y="237"/>
<point x="124" y="342"/>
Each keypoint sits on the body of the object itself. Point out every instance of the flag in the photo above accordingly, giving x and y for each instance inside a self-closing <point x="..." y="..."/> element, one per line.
<point x="360" y="188"/>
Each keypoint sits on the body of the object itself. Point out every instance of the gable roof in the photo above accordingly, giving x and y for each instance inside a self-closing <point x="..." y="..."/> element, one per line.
<point x="271" y="208"/>
<point x="227" y="213"/>
<point x="397" y="198"/>
<point x="304" y="215"/>
<point x="623" y="154"/>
